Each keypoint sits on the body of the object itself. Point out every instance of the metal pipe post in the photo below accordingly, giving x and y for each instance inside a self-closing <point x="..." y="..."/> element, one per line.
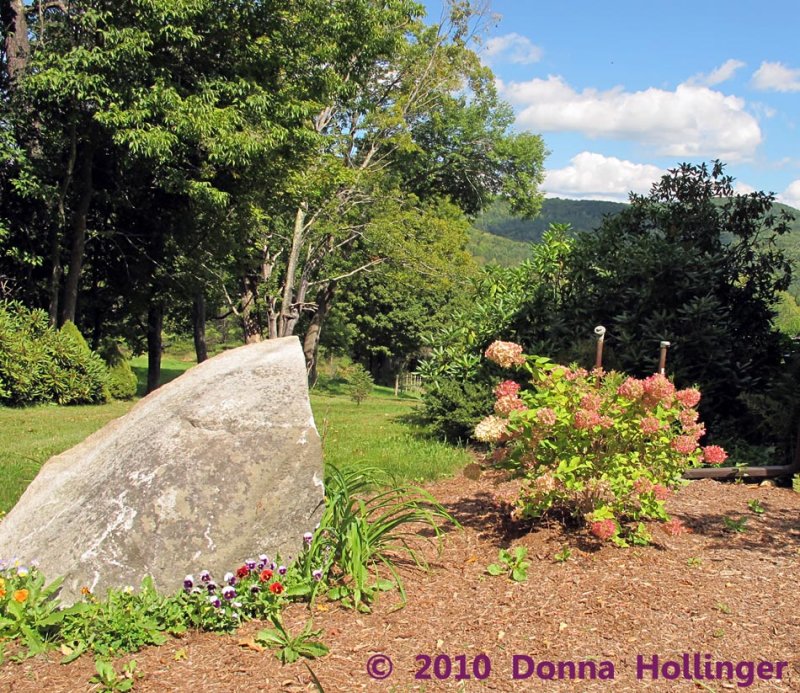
<point x="600" y="334"/>
<point x="662" y="361"/>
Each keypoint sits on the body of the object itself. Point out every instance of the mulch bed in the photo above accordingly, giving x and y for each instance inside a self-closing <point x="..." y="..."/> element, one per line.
<point x="732" y="596"/>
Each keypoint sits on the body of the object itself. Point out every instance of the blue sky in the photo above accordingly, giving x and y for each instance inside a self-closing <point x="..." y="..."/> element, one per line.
<point x="623" y="90"/>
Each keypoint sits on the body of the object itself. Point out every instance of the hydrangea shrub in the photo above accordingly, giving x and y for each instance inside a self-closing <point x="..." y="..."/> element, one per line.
<point x="604" y="447"/>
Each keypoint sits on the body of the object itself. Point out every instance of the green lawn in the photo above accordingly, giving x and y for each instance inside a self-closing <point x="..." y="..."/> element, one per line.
<point x="374" y="433"/>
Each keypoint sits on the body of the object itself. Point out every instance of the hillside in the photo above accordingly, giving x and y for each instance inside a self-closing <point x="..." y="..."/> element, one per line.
<point x="582" y="215"/>
<point x="500" y="237"/>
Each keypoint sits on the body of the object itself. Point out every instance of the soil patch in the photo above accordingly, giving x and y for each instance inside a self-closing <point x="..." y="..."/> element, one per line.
<point x="720" y="595"/>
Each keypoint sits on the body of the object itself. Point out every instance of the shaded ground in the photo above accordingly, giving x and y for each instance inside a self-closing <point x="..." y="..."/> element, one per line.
<point x="733" y="596"/>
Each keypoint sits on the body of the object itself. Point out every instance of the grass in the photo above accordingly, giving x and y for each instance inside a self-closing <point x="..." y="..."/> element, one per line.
<point x="376" y="433"/>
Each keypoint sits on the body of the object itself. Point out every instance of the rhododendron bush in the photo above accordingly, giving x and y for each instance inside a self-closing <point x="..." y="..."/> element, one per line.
<point x="602" y="446"/>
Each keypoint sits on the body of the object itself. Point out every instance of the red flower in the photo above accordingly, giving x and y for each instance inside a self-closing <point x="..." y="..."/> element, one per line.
<point x="243" y="572"/>
<point x="661" y="492"/>
<point x="688" y="397"/>
<point x="276" y="588"/>
<point x="714" y="454"/>
<point x="675" y="527"/>
<point x="265" y="575"/>
<point x="603" y="529"/>
<point x="684" y="444"/>
<point x="506" y="388"/>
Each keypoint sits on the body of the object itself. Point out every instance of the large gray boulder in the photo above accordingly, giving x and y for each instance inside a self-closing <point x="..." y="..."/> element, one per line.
<point x="220" y="465"/>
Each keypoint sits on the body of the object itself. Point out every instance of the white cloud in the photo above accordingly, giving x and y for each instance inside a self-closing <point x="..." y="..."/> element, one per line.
<point x="742" y="188"/>
<point x="718" y="75"/>
<point x="592" y="176"/>
<point x="691" y="121"/>
<point x="791" y="196"/>
<point x="776" y="77"/>
<point x="512" y="48"/>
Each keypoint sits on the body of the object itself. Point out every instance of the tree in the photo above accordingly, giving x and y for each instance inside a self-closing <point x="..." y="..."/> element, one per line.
<point x="392" y="80"/>
<point x="382" y="314"/>
<point x="694" y="264"/>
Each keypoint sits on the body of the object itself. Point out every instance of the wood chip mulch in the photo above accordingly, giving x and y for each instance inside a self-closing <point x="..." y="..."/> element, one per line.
<point x="712" y="595"/>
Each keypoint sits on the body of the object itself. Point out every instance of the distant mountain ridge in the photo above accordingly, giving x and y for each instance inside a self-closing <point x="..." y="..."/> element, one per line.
<point x="502" y="238"/>
<point x="582" y="215"/>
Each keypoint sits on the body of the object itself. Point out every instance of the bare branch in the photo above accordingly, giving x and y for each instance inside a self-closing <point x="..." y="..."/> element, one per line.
<point x="371" y="263"/>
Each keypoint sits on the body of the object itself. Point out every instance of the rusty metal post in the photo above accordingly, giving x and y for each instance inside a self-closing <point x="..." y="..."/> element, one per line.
<point x="662" y="361"/>
<point x="600" y="334"/>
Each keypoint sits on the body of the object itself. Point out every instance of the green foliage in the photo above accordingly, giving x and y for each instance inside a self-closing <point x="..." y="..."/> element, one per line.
<point x="796" y="483"/>
<point x="563" y="555"/>
<point x="291" y="648"/>
<point x="755" y="506"/>
<point x="735" y="526"/>
<point x="122" y="381"/>
<point x="380" y="316"/>
<point x="363" y="534"/>
<point x="360" y="383"/>
<point x="454" y="407"/>
<point x="29" y="609"/>
<point x="787" y="319"/>
<point x="125" y="621"/>
<point x="506" y="303"/>
<point x="604" y="448"/>
<point x="512" y="565"/>
<point x="110" y="680"/>
<point x="693" y="264"/>
<point x="488" y="249"/>
<point x="40" y="364"/>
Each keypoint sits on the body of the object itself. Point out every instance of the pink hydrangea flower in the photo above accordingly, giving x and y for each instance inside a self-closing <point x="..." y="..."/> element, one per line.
<point x="688" y="398"/>
<point x="684" y="444"/>
<point x="642" y="485"/>
<point x="688" y="418"/>
<point x="586" y="419"/>
<point x="661" y="492"/>
<point x="696" y="431"/>
<point x="591" y="402"/>
<point x="675" y="527"/>
<point x="650" y="425"/>
<point x="576" y="374"/>
<point x="505" y="405"/>
<point x="506" y="388"/>
<point x="657" y="390"/>
<point x="505" y="354"/>
<point x="714" y="454"/>
<point x="631" y="389"/>
<point x="546" y="416"/>
<point x="603" y="529"/>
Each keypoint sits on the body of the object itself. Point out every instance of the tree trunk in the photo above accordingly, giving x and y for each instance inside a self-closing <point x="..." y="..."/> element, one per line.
<point x="314" y="332"/>
<point x="289" y="313"/>
<point x="15" y="29"/>
<point x="78" y="239"/>
<point x="56" y="272"/>
<point x="199" y="325"/>
<point x="251" y="323"/>
<point x="155" y="318"/>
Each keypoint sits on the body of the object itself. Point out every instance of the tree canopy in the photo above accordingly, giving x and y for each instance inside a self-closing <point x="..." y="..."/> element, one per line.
<point x="241" y="157"/>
